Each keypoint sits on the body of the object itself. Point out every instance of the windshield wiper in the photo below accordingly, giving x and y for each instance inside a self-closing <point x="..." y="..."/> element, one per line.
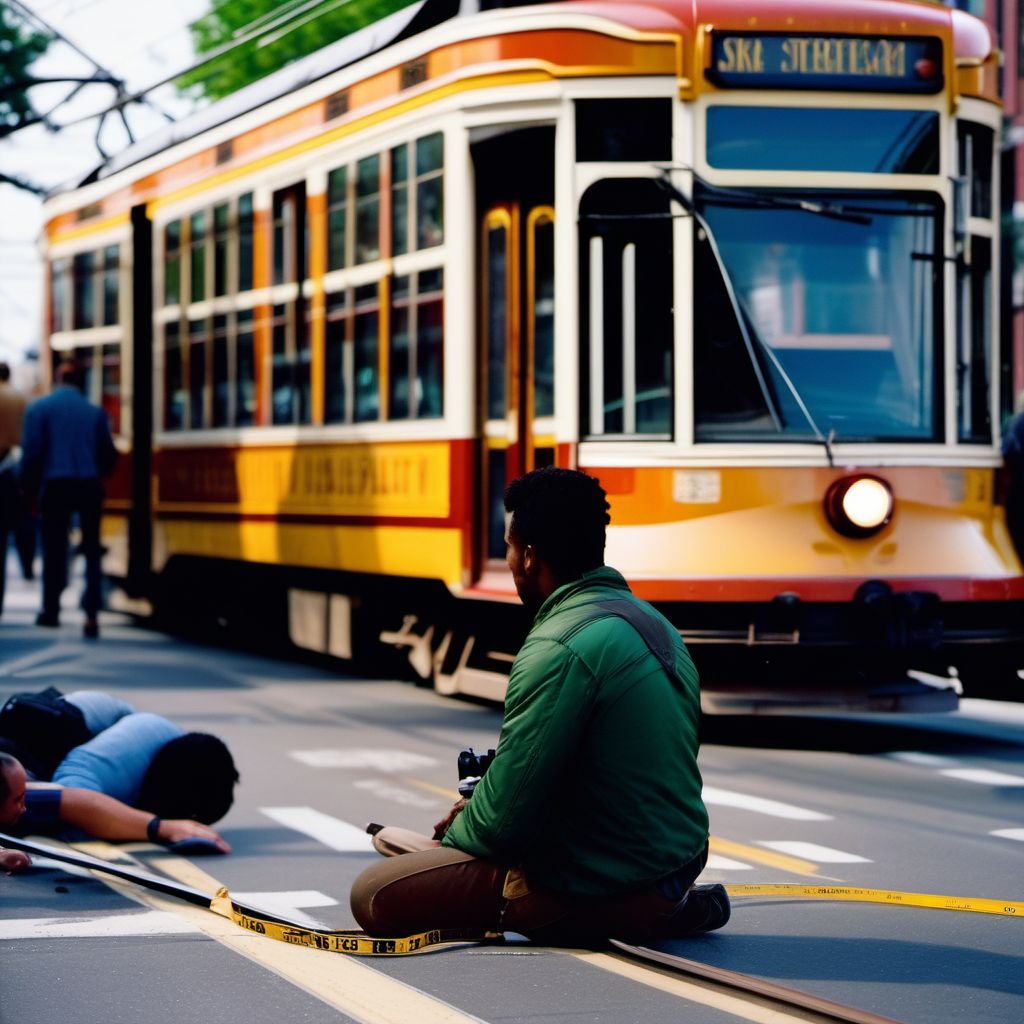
<point x="727" y="196"/>
<point x="749" y="331"/>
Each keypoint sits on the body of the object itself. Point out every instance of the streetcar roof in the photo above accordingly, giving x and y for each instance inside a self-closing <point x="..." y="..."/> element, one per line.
<point x="336" y="55"/>
<point x="972" y="42"/>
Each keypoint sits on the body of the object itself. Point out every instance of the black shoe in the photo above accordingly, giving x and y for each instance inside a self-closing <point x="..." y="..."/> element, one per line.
<point x="705" y="909"/>
<point x="91" y="630"/>
<point x="51" y="621"/>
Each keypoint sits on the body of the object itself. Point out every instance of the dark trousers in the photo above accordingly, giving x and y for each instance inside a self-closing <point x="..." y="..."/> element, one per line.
<point x="61" y="498"/>
<point x="446" y="888"/>
<point x="9" y="508"/>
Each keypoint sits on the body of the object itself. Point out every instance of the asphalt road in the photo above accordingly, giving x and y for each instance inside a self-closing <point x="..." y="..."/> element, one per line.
<point x="911" y="803"/>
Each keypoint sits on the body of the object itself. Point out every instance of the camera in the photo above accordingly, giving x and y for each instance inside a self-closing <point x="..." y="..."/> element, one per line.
<point x="471" y="769"/>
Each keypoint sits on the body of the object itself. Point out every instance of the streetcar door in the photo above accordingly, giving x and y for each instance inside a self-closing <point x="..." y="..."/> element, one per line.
<point x="516" y="355"/>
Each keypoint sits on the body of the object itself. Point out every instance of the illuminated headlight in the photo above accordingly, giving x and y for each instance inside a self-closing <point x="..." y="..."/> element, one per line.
<point x="858" y="506"/>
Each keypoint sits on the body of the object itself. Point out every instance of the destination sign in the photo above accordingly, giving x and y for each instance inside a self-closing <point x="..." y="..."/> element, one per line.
<point x="748" y="60"/>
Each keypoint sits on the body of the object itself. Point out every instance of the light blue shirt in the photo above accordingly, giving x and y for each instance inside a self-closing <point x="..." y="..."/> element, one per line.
<point x="116" y="761"/>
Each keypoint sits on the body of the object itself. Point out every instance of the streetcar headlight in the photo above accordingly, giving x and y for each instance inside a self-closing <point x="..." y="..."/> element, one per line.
<point x="858" y="506"/>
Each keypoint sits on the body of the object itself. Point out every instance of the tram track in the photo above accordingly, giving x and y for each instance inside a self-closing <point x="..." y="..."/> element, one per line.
<point x="767" y="1001"/>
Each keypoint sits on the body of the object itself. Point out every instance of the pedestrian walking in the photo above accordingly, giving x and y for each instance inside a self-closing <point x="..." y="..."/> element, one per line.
<point x="12" y="411"/>
<point x="67" y="452"/>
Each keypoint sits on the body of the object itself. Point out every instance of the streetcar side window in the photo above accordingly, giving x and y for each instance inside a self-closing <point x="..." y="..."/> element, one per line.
<point x="110" y="384"/>
<point x="172" y="263"/>
<point x="975" y="145"/>
<point x="245" y="370"/>
<point x="85" y="291"/>
<point x="400" y="200"/>
<point x="337" y="219"/>
<point x="221" y="384"/>
<point x="366" y="354"/>
<point x="429" y="191"/>
<point x="626" y="309"/>
<point x="111" y="270"/>
<point x="368" y="209"/>
<point x="86" y="287"/>
<point x="197" y="256"/>
<point x="245" y="243"/>
<point x="60" y="295"/>
<point x="416" y="350"/>
<point x="221" y="247"/>
<point x="174" y="387"/>
<point x="197" y="348"/>
<point x="338" y="359"/>
<point x="975" y="287"/>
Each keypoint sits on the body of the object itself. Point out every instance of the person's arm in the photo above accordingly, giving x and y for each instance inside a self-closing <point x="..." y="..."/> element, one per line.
<point x="545" y="712"/>
<point x="106" y="818"/>
<point x="30" y="469"/>
<point x="106" y="453"/>
<point x="13" y="860"/>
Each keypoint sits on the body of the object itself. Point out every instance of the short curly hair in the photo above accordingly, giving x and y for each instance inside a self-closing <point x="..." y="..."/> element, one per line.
<point x="562" y="513"/>
<point x="193" y="777"/>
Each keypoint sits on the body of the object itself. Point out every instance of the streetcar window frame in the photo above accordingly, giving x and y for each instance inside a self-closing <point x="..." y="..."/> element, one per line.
<point x="936" y="433"/>
<point x="85" y="289"/>
<point x="614" y="365"/>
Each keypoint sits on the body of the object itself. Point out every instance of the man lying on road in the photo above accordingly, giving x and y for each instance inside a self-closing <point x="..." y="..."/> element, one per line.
<point x="49" y="809"/>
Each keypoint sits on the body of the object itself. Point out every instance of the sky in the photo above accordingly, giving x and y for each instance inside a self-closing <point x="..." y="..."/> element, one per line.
<point x="139" y="41"/>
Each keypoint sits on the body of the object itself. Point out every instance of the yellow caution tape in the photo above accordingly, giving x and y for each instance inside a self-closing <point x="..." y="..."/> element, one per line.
<point x="354" y="943"/>
<point x="1004" y="908"/>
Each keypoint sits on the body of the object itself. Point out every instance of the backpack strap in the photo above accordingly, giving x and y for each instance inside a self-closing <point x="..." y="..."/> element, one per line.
<point x="651" y="631"/>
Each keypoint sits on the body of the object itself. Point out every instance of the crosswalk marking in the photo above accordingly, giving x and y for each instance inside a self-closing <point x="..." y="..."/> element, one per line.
<point x="333" y="832"/>
<point x="360" y="757"/>
<point x="288" y="903"/>
<point x="149" y="922"/>
<point x="1009" y="833"/>
<point x="916" y="757"/>
<point x="760" y="805"/>
<point x="716" y="862"/>
<point x="983" y="776"/>
<point x="812" y="851"/>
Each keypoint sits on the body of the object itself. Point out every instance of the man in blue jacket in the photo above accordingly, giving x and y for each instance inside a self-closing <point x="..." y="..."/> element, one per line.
<point x="589" y="822"/>
<point x="67" y="450"/>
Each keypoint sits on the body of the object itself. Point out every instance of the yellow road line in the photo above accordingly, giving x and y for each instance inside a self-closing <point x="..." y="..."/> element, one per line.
<point x="347" y="984"/>
<point x="694" y="991"/>
<point x="451" y="794"/>
<point x="769" y="858"/>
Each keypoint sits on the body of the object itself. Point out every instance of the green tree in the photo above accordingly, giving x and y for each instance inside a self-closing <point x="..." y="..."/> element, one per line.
<point x="287" y="31"/>
<point x="19" y="47"/>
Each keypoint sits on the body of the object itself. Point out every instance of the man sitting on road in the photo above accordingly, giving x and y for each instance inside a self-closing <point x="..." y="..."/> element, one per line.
<point x="39" y="807"/>
<point x="589" y="822"/>
<point x="93" y="741"/>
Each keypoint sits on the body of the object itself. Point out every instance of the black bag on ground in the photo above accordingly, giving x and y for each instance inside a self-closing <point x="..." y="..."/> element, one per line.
<point x="39" y="729"/>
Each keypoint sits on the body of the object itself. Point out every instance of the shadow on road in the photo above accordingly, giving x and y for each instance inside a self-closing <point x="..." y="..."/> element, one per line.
<point x="856" y="735"/>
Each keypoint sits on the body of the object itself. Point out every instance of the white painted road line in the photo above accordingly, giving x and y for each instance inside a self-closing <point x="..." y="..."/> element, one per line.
<point x="716" y="862"/>
<point x="149" y="922"/>
<point x="333" y="832"/>
<point x="812" y="851"/>
<point x="727" y="798"/>
<point x="1009" y="833"/>
<point x="357" y="757"/>
<point x="983" y="776"/>
<point x="925" y="760"/>
<point x="288" y="904"/>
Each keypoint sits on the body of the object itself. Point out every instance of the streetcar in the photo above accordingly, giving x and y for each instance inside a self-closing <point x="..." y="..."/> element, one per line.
<point x="738" y="259"/>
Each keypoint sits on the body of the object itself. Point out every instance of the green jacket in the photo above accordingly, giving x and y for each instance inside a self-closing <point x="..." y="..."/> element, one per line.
<point x="595" y="787"/>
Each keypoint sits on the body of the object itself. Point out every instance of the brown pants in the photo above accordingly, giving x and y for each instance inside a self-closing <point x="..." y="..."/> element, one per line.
<point x="446" y="888"/>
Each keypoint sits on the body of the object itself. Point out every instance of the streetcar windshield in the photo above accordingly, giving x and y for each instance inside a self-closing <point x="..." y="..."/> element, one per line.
<point x="816" y="321"/>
